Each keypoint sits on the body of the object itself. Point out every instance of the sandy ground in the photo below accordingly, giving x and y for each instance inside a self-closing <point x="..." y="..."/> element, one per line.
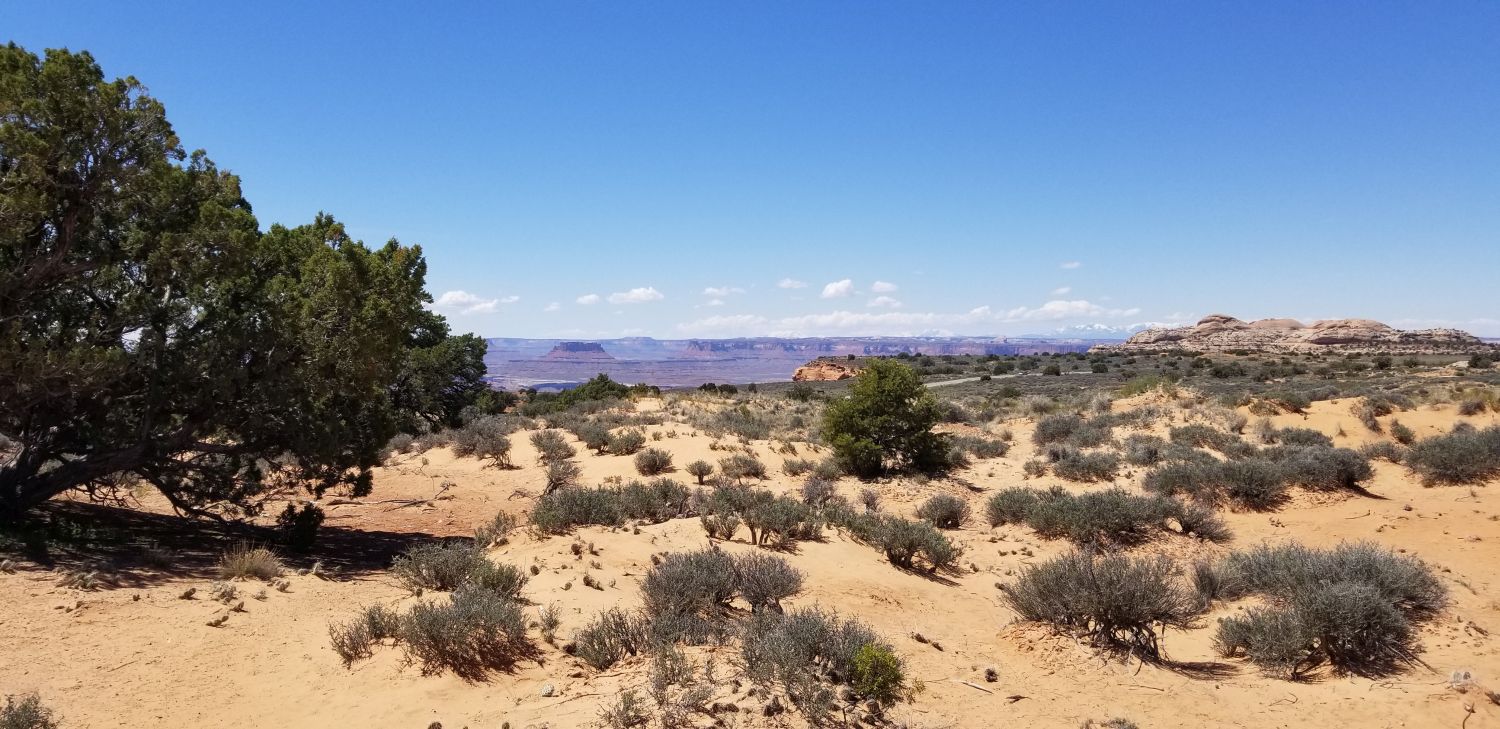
<point x="140" y="656"/>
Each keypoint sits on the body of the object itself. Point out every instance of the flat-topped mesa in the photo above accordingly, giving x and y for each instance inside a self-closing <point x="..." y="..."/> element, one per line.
<point x="824" y="370"/>
<point x="1222" y="333"/>
<point x="578" y="352"/>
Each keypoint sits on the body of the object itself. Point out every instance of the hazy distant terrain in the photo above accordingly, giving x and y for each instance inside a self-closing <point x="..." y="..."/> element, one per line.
<point x="514" y="363"/>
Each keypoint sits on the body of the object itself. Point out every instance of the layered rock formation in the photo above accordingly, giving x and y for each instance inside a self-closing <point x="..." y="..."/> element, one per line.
<point x="579" y="352"/>
<point x="824" y="370"/>
<point x="1220" y="333"/>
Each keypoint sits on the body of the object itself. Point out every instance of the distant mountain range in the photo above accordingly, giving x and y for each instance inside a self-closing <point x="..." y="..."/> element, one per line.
<point x="559" y="363"/>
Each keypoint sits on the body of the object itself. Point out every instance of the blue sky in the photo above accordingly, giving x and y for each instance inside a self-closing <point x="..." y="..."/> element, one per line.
<point x="720" y="169"/>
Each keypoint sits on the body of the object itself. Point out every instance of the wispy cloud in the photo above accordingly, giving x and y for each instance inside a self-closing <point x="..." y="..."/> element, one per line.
<point x="980" y="320"/>
<point x="884" y="302"/>
<point x="554" y="306"/>
<point x="838" y="289"/>
<point x="1062" y="290"/>
<point x="883" y="287"/>
<point x="720" y="292"/>
<point x="791" y="283"/>
<point x="1070" y="265"/>
<point x="638" y="295"/>
<point x="465" y="303"/>
<point x="588" y="299"/>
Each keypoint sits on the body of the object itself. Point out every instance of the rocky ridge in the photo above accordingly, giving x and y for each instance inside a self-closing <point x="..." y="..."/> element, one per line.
<point x="1221" y="333"/>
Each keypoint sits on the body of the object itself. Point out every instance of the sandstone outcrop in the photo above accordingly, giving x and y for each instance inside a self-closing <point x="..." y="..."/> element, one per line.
<point x="1221" y="333"/>
<point x="824" y="370"/>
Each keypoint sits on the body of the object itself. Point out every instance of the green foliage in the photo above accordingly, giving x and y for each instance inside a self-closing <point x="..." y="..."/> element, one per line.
<point x="885" y="422"/>
<point x="700" y="470"/>
<point x="741" y="466"/>
<point x="149" y="328"/>
<point x="299" y="527"/>
<point x="599" y="388"/>
<point x="877" y="674"/>
<point x="626" y="442"/>
<point x="799" y="648"/>
<point x="551" y="446"/>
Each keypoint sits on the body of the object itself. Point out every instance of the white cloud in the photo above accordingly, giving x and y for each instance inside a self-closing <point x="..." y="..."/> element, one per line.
<point x="554" y="306"/>
<point x="719" y="292"/>
<point x="980" y="320"/>
<point x="883" y="287"/>
<point x="838" y="289"/>
<point x="638" y="295"/>
<point x="1062" y="290"/>
<point x="1070" y="265"/>
<point x="464" y="303"/>
<point x="588" y="299"/>
<point x="791" y="283"/>
<point x="715" y="302"/>
<point x="885" y="302"/>
<point x="509" y="299"/>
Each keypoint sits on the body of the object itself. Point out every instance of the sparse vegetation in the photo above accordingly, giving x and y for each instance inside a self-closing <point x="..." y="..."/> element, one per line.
<point x="1465" y="455"/>
<point x="245" y="561"/>
<point x="944" y="511"/>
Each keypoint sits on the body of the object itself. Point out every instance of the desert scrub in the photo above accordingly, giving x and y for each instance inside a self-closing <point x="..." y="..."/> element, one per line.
<point x="904" y="541"/>
<point x="742" y="466"/>
<point x="765" y="580"/>
<point x="247" y="561"/>
<point x="1254" y="484"/>
<point x="1354" y="607"/>
<point x="454" y="565"/>
<point x="475" y="632"/>
<point x="1086" y="466"/>
<point x="653" y="461"/>
<point x="496" y="531"/>
<point x="700" y="470"/>
<point x="816" y="492"/>
<point x="486" y="438"/>
<point x="626" y="442"/>
<point x="1101" y="519"/>
<point x="610" y="637"/>
<point x="551" y="446"/>
<point x="1116" y="601"/>
<point x="1464" y="455"/>
<point x="944" y="511"/>
<point x="353" y="640"/>
<point x="801" y="648"/>
<point x="27" y="712"/>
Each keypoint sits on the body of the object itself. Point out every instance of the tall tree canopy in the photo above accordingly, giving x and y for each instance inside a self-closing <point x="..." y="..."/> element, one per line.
<point x="150" y="332"/>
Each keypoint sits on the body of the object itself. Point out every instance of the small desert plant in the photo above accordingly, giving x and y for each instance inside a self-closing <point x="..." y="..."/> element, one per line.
<point x="653" y="461"/>
<point x="720" y="526"/>
<point x="551" y="446"/>
<point x="697" y="583"/>
<point x="1402" y="434"/>
<point x="700" y="470"/>
<point x="247" y="561"/>
<point x="799" y="648"/>
<point x="1321" y="468"/>
<point x="1087" y="466"/>
<point x="877" y="674"/>
<point x="1056" y="428"/>
<point x="1010" y="506"/>
<point x="561" y="474"/>
<point x="1144" y="450"/>
<point x="496" y="531"/>
<point x="1464" y="455"/>
<point x="782" y="521"/>
<point x="944" y="511"/>
<point x="816" y="491"/>
<point x="627" y="442"/>
<point x="628" y="710"/>
<point x="487" y="437"/>
<point x="611" y="636"/>
<point x="765" y="580"/>
<point x="454" y="565"/>
<point x="796" y="466"/>
<point x="1116" y="601"/>
<point x="475" y="632"/>
<point x="741" y="466"/>
<point x="870" y="499"/>
<point x="27" y="712"/>
<point x="561" y="510"/>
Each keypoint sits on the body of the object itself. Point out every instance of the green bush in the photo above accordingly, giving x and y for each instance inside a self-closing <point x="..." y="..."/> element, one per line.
<point x="1255" y="484"/>
<point x="653" y="461"/>
<point x="905" y="541"/>
<point x="781" y="522"/>
<point x="877" y="674"/>
<point x="800" y="648"/>
<point x="885" y="422"/>
<point x="561" y="474"/>
<point x="765" y="580"/>
<point x="486" y="437"/>
<point x="1464" y="455"/>
<point x="1144" y="450"/>
<point x="1010" y="506"/>
<point x="1116" y="601"/>
<point x="1056" y="428"/>
<point x="453" y="565"/>
<point x="299" y="527"/>
<point x="1087" y="466"/>
<point x="1402" y="434"/>
<point x="1321" y="468"/>
<point x="561" y="510"/>
<point x="817" y="492"/>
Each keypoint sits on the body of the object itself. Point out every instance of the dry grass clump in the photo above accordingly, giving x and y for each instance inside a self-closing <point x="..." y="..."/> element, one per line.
<point x="246" y="561"/>
<point x="455" y="565"/>
<point x="944" y="511"/>
<point x="653" y="461"/>
<point x="1465" y="455"/>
